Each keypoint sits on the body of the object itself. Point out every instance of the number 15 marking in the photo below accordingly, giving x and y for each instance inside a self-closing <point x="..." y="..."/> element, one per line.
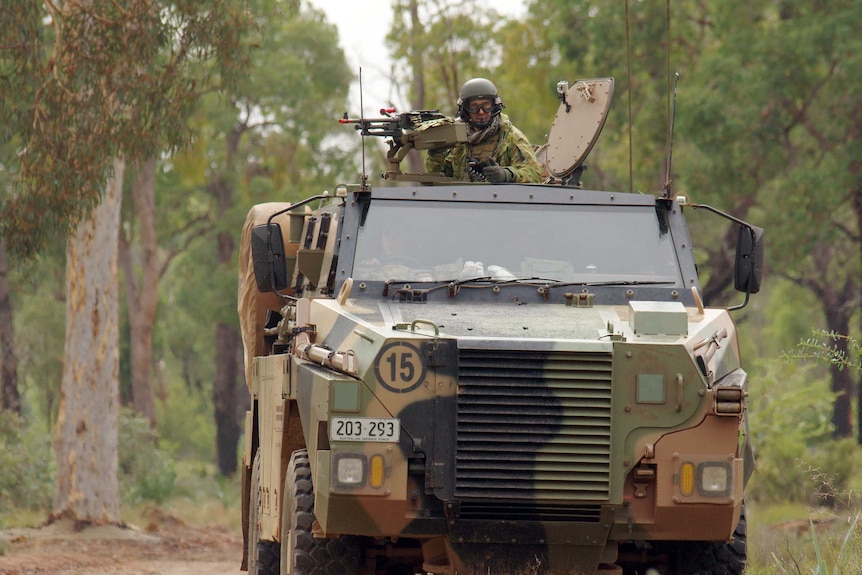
<point x="399" y="367"/>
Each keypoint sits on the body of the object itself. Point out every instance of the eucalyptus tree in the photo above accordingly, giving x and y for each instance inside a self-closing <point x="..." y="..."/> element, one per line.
<point x="778" y="128"/>
<point x="274" y="138"/>
<point x="91" y="86"/>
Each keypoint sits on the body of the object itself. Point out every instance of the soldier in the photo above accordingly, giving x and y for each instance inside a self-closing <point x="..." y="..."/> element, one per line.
<point x="496" y="151"/>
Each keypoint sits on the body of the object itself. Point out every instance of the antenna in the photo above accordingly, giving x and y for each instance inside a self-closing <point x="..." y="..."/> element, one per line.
<point x="668" y="175"/>
<point x="671" y="109"/>
<point x="629" y="94"/>
<point x="364" y="177"/>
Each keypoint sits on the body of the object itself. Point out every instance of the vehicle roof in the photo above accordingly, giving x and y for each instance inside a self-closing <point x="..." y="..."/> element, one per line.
<point x="509" y="193"/>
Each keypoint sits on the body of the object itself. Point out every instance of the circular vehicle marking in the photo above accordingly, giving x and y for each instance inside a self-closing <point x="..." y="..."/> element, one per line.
<point x="399" y="367"/>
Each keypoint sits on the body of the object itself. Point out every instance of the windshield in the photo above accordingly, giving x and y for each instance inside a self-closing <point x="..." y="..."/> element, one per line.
<point x="442" y="241"/>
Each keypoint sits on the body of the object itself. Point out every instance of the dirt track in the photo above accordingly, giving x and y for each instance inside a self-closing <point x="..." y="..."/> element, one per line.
<point x="170" y="548"/>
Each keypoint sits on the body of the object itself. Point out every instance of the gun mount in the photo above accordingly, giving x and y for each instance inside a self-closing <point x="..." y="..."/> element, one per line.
<point x="415" y="130"/>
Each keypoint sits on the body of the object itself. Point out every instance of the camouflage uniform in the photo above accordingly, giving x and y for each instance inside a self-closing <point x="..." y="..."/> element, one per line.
<point x="509" y="147"/>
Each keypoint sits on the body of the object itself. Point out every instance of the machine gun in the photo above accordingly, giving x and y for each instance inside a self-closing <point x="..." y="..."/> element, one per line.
<point x="416" y="130"/>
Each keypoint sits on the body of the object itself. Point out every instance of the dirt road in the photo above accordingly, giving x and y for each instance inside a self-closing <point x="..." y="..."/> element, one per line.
<point x="169" y="548"/>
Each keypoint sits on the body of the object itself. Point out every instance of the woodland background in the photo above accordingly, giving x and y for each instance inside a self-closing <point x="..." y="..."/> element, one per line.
<point x="169" y="120"/>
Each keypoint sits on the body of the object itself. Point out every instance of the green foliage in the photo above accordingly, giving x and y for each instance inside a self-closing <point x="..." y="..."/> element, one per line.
<point x="823" y="348"/>
<point x="149" y="471"/>
<point x="26" y="465"/>
<point x="85" y="83"/>
<point x="799" y="462"/>
<point x="805" y="541"/>
<point x="39" y="323"/>
<point x="448" y="43"/>
<point x="847" y="558"/>
<point x="791" y="539"/>
<point x="146" y="468"/>
<point x="186" y="422"/>
<point x="791" y="430"/>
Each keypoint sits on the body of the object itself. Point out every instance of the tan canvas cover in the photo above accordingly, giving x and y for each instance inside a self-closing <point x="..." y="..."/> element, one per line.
<point x="252" y="304"/>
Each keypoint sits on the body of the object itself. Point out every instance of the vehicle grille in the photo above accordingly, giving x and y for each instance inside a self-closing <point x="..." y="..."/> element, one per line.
<point x="533" y="426"/>
<point x="512" y="511"/>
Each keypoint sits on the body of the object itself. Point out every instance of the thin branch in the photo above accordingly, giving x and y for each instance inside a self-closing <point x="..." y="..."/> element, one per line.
<point x="58" y="45"/>
<point x="800" y="114"/>
<point x="121" y="9"/>
<point x="92" y="14"/>
<point x="851" y="235"/>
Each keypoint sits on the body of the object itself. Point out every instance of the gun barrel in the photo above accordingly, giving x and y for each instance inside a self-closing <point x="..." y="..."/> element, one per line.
<point x="367" y="120"/>
<point x="404" y="119"/>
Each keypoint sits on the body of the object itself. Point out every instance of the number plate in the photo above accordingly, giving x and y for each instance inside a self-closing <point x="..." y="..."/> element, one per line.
<point x="364" y="429"/>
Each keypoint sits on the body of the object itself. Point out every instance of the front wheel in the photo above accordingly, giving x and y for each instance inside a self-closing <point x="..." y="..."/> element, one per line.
<point x="723" y="558"/>
<point x="301" y="552"/>
<point x="688" y="557"/>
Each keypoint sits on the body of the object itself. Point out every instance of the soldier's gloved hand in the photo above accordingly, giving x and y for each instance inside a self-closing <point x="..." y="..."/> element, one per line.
<point x="474" y="172"/>
<point x="498" y="174"/>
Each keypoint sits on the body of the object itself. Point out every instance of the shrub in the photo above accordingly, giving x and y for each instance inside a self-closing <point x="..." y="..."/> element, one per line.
<point x="791" y="408"/>
<point x="27" y="466"/>
<point x="146" y="467"/>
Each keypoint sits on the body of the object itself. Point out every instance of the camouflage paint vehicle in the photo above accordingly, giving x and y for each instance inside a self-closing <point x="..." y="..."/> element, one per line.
<point x="473" y="378"/>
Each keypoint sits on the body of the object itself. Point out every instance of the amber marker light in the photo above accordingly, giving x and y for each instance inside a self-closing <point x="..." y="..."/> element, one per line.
<point x="375" y="473"/>
<point x="686" y="478"/>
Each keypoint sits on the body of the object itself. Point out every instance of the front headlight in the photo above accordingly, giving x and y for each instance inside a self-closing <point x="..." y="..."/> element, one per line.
<point x="714" y="478"/>
<point x="350" y="470"/>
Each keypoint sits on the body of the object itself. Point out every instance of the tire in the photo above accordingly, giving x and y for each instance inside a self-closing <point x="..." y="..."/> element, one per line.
<point x="724" y="558"/>
<point x="302" y="553"/>
<point x="262" y="555"/>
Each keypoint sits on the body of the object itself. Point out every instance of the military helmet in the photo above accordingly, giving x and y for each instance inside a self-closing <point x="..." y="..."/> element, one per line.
<point x="478" y="88"/>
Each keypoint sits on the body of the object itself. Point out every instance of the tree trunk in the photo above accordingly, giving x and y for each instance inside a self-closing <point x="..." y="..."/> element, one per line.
<point x="227" y="404"/>
<point x="856" y="203"/>
<point x="415" y="162"/>
<point x="228" y="341"/>
<point x="9" y="397"/>
<point x="228" y="347"/>
<point x="839" y="303"/>
<point x="842" y="379"/>
<point x="142" y="292"/>
<point x="86" y="435"/>
<point x="859" y="395"/>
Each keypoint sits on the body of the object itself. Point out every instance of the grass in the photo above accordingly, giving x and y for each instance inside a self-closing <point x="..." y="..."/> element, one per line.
<point x="16" y="517"/>
<point x="783" y="538"/>
<point x="790" y="539"/>
<point x="200" y="497"/>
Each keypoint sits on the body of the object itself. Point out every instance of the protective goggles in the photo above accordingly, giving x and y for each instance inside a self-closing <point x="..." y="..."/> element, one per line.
<point x="474" y="107"/>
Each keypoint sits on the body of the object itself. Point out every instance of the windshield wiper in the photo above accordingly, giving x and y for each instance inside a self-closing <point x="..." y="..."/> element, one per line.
<point x="454" y="285"/>
<point x="623" y="283"/>
<point x="495" y="283"/>
<point x="480" y="282"/>
<point x="405" y="285"/>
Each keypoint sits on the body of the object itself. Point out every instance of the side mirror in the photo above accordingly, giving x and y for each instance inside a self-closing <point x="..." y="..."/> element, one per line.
<point x="748" y="268"/>
<point x="268" y="257"/>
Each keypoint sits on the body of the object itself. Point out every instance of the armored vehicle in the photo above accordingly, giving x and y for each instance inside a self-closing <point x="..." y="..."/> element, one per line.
<point x="453" y="377"/>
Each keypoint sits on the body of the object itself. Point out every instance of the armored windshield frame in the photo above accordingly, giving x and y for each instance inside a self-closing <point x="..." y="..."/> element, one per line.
<point x="531" y="197"/>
